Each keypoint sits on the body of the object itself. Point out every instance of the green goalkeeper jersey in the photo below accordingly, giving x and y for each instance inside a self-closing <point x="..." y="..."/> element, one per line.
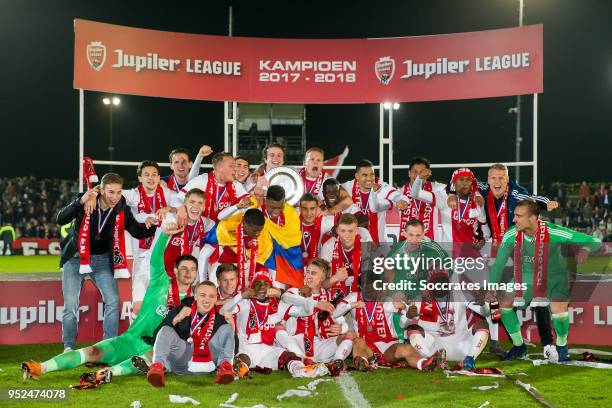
<point x="429" y="256"/>
<point x="153" y="307"/>
<point x="120" y="349"/>
<point x="557" y="271"/>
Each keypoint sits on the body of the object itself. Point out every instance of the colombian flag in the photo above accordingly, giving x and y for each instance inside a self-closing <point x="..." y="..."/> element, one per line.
<point x="279" y="247"/>
<point x="286" y="256"/>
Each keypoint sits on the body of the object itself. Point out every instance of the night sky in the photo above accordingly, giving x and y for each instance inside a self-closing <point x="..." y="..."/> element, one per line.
<point x="39" y="107"/>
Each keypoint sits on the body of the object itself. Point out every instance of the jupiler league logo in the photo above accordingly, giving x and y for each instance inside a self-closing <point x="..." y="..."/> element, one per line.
<point x="385" y="68"/>
<point x="96" y="55"/>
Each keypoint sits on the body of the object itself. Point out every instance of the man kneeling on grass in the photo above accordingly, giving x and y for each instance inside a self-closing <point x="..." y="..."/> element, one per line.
<point x="193" y="339"/>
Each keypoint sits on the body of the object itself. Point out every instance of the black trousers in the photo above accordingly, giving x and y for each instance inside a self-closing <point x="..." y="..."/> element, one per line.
<point x="542" y="316"/>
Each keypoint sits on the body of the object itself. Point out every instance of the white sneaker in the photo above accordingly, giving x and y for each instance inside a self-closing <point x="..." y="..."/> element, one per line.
<point x="550" y="353"/>
<point x="67" y="349"/>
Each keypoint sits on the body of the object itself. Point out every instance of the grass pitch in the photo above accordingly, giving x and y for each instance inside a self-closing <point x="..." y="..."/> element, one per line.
<point x="29" y="264"/>
<point x="562" y="386"/>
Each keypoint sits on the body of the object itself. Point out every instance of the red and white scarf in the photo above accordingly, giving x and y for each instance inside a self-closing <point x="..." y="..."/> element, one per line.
<point x="311" y="235"/>
<point x="330" y="234"/>
<point x="89" y="172"/>
<point x="315" y="189"/>
<point x="201" y="332"/>
<point x="309" y="327"/>
<point x="366" y="210"/>
<point x="119" y="259"/>
<point x="418" y="210"/>
<point x="144" y="206"/>
<point x="499" y="218"/>
<point x="339" y="288"/>
<point x="174" y="297"/>
<point x="258" y="330"/>
<point x="242" y="259"/>
<point x="182" y="243"/>
<point x="215" y="197"/>
<point x="173" y="183"/>
<point x="540" y="265"/>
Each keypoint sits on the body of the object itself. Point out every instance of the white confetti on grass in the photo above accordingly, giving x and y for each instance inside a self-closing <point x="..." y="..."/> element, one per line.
<point x="302" y="391"/>
<point x="487" y="387"/>
<point x="294" y="393"/>
<point x="179" y="399"/>
<point x="230" y="400"/>
<point x="230" y="403"/>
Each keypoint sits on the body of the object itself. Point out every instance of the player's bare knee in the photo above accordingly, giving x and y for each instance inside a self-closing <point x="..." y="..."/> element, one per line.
<point x="505" y="299"/>
<point x="358" y="341"/>
<point x="350" y="335"/>
<point x="279" y="327"/>
<point x="405" y="351"/>
<point x="94" y="354"/>
<point x="558" y="307"/>
<point x="480" y="325"/>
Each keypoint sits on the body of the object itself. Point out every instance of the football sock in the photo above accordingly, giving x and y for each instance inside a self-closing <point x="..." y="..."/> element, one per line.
<point x="343" y="350"/>
<point x="479" y="341"/>
<point x="511" y="322"/>
<point x="69" y="359"/>
<point x="561" y="323"/>
<point x="420" y="364"/>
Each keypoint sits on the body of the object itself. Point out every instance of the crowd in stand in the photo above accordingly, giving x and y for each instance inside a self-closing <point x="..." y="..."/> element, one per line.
<point x="30" y="205"/>
<point x="585" y="207"/>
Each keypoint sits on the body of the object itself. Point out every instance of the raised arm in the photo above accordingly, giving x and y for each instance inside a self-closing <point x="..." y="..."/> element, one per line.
<point x="230" y="305"/>
<point x="158" y="269"/>
<point x="418" y="193"/>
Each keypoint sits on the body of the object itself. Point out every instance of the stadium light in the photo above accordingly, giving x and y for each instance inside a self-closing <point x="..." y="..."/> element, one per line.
<point x="389" y="105"/>
<point x="111" y="103"/>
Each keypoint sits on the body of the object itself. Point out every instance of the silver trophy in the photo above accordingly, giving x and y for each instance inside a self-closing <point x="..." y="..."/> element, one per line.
<point x="289" y="180"/>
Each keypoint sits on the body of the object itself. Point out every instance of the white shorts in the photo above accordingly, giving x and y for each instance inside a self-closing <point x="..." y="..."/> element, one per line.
<point x="141" y="274"/>
<point x="207" y="271"/>
<point x="261" y="354"/>
<point x="324" y="349"/>
<point x="456" y="346"/>
<point x="383" y="347"/>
